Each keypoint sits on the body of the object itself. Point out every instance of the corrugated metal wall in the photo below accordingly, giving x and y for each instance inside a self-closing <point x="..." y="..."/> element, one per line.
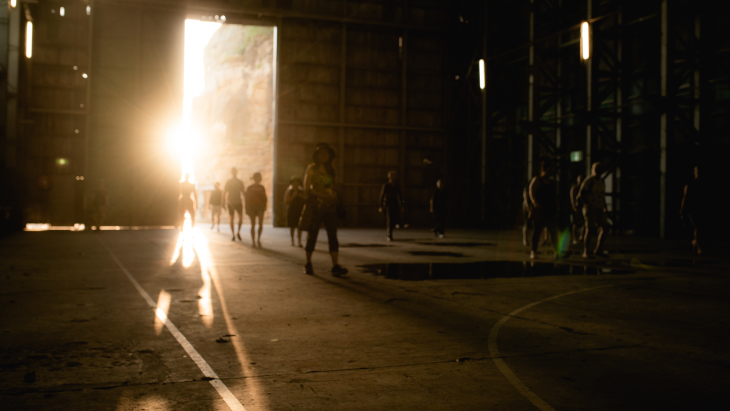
<point x="376" y="95"/>
<point x="136" y="99"/>
<point x="54" y="112"/>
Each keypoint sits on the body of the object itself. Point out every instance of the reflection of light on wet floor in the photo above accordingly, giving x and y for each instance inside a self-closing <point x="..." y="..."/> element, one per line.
<point x="206" y="260"/>
<point x="163" y="307"/>
<point x="205" y="306"/>
<point x="185" y="244"/>
<point x="132" y="400"/>
<point x="192" y="242"/>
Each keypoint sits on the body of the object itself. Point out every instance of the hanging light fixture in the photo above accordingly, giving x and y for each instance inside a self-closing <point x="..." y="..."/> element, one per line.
<point x="482" y="75"/>
<point x="585" y="40"/>
<point x="29" y="39"/>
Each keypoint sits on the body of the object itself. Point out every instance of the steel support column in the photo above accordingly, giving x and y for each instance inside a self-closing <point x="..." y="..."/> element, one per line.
<point x="589" y="91"/>
<point x="342" y="117"/>
<point x="663" y="119"/>
<point x="531" y="90"/>
<point x="90" y="71"/>
<point x="402" y="159"/>
<point x="343" y="96"/>
<point x="484" y="122"/>
<point x="11" y="125"/>
<point x="697" y="79"/>
<point x="278" y="216"/>
<point x="616" y="202"/>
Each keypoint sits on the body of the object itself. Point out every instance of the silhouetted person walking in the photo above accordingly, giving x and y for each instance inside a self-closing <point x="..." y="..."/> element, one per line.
<point x="256" y="206"/>
<point x="694" y="206"/>
<point x="391" y="202"/>
<point x="543" y="194"/>
<point x="593" y="197"/>
<point x="294" y="200"/>
<point x="216" y="204"/>
<point x="577" y="210"/>
<point x="439" y="206"/>
<point x="321" y="206"/>
<point x="99" y="202"/>
<point x="233" y="196"/>
<point x="526" y="214"/>
<point x="188" y="199"/>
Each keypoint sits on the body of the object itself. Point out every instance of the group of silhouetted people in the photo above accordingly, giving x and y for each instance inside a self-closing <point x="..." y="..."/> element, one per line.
<point x="313" y="202"/>
<point x="589" y="210"/>
<point x="392" y="205"/>
<point x="233" y="198"/>
<point x="588" y="201"/>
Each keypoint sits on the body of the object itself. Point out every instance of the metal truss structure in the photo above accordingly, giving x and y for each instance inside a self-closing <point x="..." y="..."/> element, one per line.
<point x="648" y="103"/>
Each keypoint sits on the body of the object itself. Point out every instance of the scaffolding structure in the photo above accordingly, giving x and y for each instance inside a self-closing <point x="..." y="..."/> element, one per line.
<point x="634" y="104"/>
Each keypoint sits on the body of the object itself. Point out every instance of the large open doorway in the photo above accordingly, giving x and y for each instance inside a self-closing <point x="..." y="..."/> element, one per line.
<point x="228" y="107"/>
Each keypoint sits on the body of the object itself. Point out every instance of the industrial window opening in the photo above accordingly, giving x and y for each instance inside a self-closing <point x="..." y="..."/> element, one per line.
<point x="228" y="107"/>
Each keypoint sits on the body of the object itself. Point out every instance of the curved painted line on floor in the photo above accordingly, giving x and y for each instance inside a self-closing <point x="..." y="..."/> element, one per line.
<point x="504" y="368"/>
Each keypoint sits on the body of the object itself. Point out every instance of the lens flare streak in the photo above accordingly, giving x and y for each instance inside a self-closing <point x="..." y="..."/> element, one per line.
<point x="163" y="307"/>
<point x="190" y="243"/>
<point x="205" y="305"/>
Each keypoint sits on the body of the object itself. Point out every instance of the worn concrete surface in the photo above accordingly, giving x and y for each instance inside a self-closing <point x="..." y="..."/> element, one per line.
<point x="646" y="328"/>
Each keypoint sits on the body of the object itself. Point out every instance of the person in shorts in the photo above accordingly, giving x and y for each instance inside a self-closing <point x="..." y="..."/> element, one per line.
<point x="216" y="204"/>
<point x="320" y="194"/>
<point x="188" y="200"/>
<point x="233" y="195"/>
<point x="593" y="197"/>
<point x="256" y="206"/>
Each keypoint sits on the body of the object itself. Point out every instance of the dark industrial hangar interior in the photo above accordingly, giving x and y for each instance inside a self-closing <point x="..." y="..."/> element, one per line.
<point x="477" y="95"/>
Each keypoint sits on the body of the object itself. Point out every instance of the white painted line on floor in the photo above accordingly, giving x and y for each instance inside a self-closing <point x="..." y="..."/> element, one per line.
<point x="208" y="372"/>
<point x="504" y="368"/>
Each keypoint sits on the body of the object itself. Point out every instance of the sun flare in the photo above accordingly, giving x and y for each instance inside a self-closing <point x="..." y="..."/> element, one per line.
<point x="185" y="140"/>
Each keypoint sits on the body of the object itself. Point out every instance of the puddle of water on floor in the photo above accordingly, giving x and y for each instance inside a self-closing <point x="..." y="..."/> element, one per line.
<point x="357" y="245"/>
<point x="676" y="262"/>
<point x="632" y="251"/>
<point x="436" y="253"/>
<point x="455" y="244"/>
<point x="483" y="270"/>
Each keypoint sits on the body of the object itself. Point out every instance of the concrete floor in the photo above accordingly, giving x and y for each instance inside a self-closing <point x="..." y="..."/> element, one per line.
<point x="646" y="328"/>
